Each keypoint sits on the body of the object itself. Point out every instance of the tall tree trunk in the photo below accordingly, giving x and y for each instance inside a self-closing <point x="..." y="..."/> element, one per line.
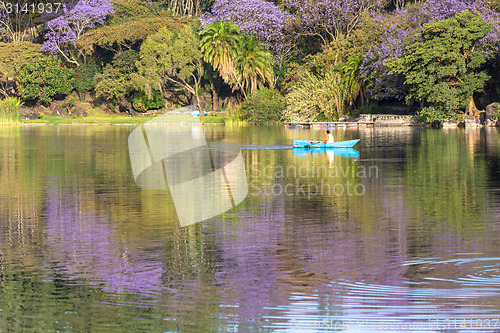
<point x="471" y="108"/>
<point x="215" y="93"/>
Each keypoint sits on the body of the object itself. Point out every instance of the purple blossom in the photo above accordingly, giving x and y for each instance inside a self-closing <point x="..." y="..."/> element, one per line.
<point x="260" y="19"/>
<point x="400" y="30"/>
<point x="65" y="30"/>
<point x="330" y="18"/>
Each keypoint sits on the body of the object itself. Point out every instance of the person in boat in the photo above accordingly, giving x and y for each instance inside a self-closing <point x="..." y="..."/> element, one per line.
<point x="330" y="137"/>
<point x="328" y="140"/>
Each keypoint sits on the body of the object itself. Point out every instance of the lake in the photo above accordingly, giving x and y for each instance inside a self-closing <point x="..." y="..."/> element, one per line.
<point x="400" y="234"/>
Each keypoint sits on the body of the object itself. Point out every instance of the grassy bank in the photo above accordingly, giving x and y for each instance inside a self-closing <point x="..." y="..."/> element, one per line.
<point x="112" y="119"/>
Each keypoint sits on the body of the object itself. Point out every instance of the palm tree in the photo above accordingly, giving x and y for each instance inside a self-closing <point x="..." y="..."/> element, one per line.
<point x="219" y="42"/>
<point x="254" y="65"/>
<point x="353" y="80"/>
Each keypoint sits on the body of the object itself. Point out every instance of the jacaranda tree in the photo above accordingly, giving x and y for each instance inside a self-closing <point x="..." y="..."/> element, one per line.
<point x="260" y="19"/>
<point x="399" y="29"/>
<point x="64" y="31"/>
<point x="443" y="68"/>
<point x="327" y="19"/>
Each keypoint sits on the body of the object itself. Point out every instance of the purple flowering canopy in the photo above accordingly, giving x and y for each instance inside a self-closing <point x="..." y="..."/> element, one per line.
<point x="260" y="19"/>
<point x="328" y="19"/>
<point x="401" y="28"/>
<point x="64" y="30"/>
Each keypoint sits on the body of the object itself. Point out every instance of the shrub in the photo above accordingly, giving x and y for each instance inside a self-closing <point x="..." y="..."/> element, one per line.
<point x="44" y="79"/>
<point x="69" y="103"/>
<point x="496" y="107"/>
<point x="265" y="106"/>
<point x="125" y="61"/>
<point x="85" y="79"/>
<point x="235" y="116"/>
<point x="9" y="110"/>
<point x="115" y="82"/>
<point x="433" y="115"/>
<point x="142" y="103"/>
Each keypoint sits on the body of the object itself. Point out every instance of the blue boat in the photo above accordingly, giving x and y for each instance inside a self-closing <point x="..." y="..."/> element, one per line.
<point x="322" y="144"/>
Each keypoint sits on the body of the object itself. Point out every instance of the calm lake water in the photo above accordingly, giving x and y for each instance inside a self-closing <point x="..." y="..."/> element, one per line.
<point x="400" y="235"/>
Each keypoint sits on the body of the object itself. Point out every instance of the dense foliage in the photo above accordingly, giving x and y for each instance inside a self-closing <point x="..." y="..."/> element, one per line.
<point x="327" y="58"/>
<point x="44" y="79"/>
<point x="126" y="35"/>
<point x="316" y="97"/>
<point x="12" y="55"/>
<point x="400" y="29"/>
<point x="142" y="103"/>
<point x="171" y="58"/>
<point x="442" y="67"/>
<point x="115" y="83"/>
<point x="85" y="78"/>
<point x="264" y="106"/>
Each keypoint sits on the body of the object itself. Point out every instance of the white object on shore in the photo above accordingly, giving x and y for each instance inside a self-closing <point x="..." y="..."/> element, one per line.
<point x="197" y="113"/>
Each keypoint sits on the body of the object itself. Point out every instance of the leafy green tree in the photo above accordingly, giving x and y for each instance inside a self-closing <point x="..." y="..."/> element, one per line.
<point x="44" y="79"/>
<point x="254" y="65"/>
<point x="171" y="58"/>
<point x="125" y="62"/>
<point x="85" y="79"/>
<point x="13" y="55"/>
<point x="126" y="35"/>
<point x="443" y="68"/>
<point x="115" y="83"/>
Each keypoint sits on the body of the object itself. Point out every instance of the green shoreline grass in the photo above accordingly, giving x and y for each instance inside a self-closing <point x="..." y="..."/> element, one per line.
<point x="106" y="119"/>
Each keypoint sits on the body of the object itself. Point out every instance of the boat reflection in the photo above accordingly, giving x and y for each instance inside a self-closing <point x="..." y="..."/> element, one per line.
<point x="330" y="153"/>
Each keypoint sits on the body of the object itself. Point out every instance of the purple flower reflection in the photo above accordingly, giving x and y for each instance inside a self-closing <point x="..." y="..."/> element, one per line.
<point x="82" y="246"/>
<point x="250" y="269"/>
